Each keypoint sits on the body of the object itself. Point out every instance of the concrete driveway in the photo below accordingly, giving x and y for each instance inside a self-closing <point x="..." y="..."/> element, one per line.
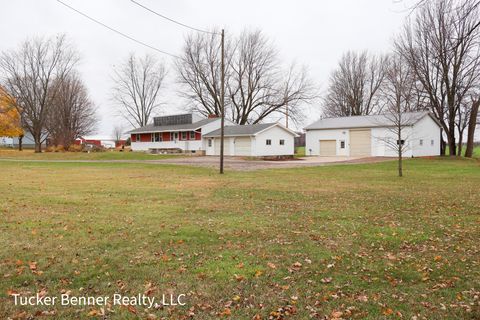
<point x="247" y="165"/>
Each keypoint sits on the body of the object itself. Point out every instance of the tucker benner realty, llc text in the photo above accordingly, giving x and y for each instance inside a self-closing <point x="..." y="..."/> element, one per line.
<point x="139" y="300"/>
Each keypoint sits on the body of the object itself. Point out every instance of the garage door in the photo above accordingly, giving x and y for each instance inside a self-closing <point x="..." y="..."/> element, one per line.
<point x="328" y="148"/>
<point x="243" y="146"/>
<point x="360" y="143"/>
<point x="226" y="147"/>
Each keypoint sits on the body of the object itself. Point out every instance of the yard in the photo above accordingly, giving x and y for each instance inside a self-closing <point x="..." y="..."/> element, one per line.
<point x="351" y="241"/>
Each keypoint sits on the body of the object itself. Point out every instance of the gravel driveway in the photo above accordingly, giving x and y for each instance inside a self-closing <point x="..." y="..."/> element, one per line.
<point x="233" y="162"/>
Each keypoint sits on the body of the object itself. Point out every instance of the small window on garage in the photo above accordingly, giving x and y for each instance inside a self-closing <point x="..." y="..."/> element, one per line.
<point x="282" y="142"/>
<point x="342" y="144"/>
<point x="268" y="142"/>
<point x="209" y="143"/>
<point x="421" y="142"/>
<point x="432" y="142"/>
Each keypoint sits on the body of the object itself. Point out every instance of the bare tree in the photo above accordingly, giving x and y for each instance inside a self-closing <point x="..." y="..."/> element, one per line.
<point x="118" y="133"/>
<point x="399" y="95"/>
<point x="354" y="85"/>
<point x="137" y="86"/>
<point x="257" y="85"/>
<point x="442" y="47"/>
<point x="199" y="72"/>
<point x="30" y="74"/>
<point x="72" y="113"/>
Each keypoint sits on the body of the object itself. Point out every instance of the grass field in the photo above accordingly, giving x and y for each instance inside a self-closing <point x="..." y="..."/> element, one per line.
<point x="107" y="155"/>
<point x="342" y="241"/>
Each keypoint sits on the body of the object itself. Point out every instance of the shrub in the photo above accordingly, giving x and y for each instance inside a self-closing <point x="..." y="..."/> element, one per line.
<point x="75" y="148"/>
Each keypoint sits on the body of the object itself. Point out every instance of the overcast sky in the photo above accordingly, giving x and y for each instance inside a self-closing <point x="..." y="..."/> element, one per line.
<point x="315" y="33"/>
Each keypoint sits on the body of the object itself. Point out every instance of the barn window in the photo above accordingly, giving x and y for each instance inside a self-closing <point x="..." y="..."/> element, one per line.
<point x="432" y="142"/>
<point x="421" y="142"/>
<point x="209" y="143"/>
<point x="342" y="144"/>
<point x="402" y="142"/>
<point x="192" y="135"/>
<point x="268" y="142"/>
<point x="282" y="142"/>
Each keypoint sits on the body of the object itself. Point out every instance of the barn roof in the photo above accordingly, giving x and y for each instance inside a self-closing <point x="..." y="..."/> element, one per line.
<point x="371" y="121"/>
<point x="149" y="128"/>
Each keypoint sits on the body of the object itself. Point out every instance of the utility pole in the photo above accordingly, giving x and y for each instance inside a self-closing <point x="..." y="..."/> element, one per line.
<point x="222" y="102"/>
<point x="286" y="115"/>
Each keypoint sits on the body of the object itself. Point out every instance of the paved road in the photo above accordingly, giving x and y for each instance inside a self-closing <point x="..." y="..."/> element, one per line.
<point x="232" y="162"/>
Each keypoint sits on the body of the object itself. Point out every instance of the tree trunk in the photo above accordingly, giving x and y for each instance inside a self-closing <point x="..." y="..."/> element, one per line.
<point x="460" y="144"/>
<point x="20" y="141"/>
<point x="472" y="124"/>
<point x="443" y="146"/>
<point x="38" y="144"/>
<point x="400" y="147"/>
<point x="452" y="146"/>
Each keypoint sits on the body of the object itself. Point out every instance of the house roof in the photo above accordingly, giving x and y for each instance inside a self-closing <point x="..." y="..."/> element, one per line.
<point x="149" y="128"/>
<point x="245" y="130"/>
<point x="371" y="121"/>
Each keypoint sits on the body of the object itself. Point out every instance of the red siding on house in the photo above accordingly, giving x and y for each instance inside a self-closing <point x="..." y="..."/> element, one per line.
<point x="147" y="137"/>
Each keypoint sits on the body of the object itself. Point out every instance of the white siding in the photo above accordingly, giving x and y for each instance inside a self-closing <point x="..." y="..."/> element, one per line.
<point x="426" y="129"/>
<point x="276" y="133"/>
<point x="313" y="137"/>
<point x="184" y="145"/>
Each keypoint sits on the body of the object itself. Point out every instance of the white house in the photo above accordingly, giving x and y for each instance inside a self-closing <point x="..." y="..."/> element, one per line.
<point x="365" y="136"/>
<point x="256" y="140"/>
<point x="183" y="132"/>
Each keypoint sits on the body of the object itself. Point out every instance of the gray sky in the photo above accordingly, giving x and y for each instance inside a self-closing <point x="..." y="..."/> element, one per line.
<point x="315" y="33"/>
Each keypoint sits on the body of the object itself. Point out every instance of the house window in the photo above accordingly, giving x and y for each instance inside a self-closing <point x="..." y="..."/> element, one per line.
<point x="152" y="137"/>
<point x="192" y="135"/>
<point x="282" y="142"/>
<point x="402" y="142"/>
<point x="137" y="138"/>
<point x="184" y="135"/>
<point x="173" y="136"/>
<point x="432" y="142"/>
<point x="342" y="144"/>
<point x="421" y="142"/>
<point x="209" y="143"/>
<point x="268" y="142"/>
<point x="158" y="137"/>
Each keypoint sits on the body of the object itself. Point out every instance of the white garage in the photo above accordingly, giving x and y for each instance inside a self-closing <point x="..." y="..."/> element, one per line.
<point x="367" y="136"/>
<point x="256" y="140"/>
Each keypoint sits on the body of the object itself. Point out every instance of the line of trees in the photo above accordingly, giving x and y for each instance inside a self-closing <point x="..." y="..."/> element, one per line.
<point x="51" y="99"/>
<point x="438" y="51"/>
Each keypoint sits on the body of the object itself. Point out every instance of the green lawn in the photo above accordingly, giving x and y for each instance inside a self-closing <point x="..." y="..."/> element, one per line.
<point x="342" y="241"/>
<point x="107" y="155"/>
